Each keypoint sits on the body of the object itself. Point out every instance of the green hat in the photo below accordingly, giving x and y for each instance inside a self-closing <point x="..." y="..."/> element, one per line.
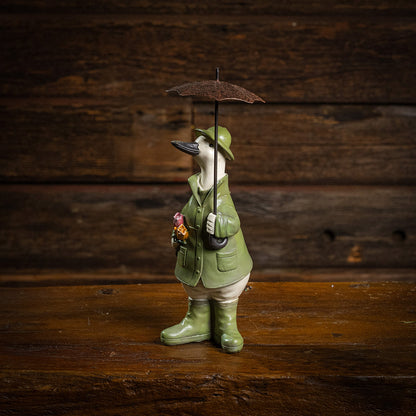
<point x="224" y="139"/>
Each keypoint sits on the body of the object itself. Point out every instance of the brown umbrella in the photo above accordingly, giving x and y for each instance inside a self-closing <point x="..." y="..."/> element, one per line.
<point x="218" y="91"/>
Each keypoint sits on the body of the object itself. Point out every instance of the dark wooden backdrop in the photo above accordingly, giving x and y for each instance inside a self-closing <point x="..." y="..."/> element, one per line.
<point x="325" y="175"/>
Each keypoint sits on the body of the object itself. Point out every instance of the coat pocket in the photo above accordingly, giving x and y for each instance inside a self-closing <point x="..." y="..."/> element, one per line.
<point x="227" y="261"/>
<point x="182" y="256"/>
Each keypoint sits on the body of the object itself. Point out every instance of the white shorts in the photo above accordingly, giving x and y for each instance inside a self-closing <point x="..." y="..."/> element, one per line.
<point x="224" y="294"/>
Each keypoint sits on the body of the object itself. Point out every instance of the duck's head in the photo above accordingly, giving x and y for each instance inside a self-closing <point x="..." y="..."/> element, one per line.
<point x="203" y="146"/>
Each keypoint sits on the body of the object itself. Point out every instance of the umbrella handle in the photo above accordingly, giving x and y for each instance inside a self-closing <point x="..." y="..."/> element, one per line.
<point x="215" y="243"/>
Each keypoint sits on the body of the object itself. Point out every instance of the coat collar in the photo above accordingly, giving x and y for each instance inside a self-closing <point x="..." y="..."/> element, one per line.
<point x="222" y="187"/>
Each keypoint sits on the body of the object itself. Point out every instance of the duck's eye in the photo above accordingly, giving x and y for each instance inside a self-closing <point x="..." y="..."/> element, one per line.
<point x="211" y="145"/>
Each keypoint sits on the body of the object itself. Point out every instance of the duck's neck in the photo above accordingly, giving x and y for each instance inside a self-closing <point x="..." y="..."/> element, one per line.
<point x="206" y="177"/>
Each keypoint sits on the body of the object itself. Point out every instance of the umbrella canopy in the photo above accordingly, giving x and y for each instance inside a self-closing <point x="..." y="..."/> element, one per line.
<point x="216" y="90"/>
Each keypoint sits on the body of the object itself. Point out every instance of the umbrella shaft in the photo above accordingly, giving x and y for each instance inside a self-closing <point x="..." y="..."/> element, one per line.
<point x="216" y="158"/>
<point x="217" y="76"/>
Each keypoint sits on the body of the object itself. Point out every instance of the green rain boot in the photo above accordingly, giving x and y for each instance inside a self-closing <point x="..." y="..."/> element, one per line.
<point x="225" y="331"/>
<point x="195" y="327"/>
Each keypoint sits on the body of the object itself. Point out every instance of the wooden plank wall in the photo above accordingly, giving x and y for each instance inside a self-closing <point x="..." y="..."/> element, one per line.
<point x="325" y="175"/>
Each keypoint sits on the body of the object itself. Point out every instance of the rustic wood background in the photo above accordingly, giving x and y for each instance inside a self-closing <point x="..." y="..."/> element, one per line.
<point x="325" y="175"/>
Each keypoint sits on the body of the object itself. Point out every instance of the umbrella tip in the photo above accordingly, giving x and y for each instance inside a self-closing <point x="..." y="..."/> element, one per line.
<point x="217" y="73"/>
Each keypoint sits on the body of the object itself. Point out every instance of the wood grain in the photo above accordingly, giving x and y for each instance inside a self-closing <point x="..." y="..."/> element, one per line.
<point x="324" y="174"/>
<point x="59" y="140"/>
<point x="283" y="59"/>
<point x="108" y="276"/>
<point x="233" y="7"/>
<point x="331" y="349"/>
<point x="82" y="141"/>
<point x="318" y="144"/>
<point x="127" y="228"/>
<point x="348" y="226"/>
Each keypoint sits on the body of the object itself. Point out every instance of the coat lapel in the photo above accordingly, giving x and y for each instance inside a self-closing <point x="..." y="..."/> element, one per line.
<point x="193" y="183"/>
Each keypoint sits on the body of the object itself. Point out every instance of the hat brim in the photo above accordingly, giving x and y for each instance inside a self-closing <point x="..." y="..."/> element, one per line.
<point x="228" y="154"/>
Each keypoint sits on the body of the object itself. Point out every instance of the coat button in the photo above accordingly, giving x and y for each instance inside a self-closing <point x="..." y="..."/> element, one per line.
<point x="198" y="258"/>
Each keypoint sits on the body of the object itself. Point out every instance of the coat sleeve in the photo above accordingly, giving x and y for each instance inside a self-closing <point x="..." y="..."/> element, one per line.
<point x="227" y="223"/>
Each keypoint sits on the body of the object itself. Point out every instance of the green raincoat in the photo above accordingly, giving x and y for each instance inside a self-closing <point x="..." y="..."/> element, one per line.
<point x="216" y="268"/>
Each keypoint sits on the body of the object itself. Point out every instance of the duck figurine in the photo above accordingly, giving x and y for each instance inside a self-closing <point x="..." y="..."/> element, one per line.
<point x="213" y="263"/>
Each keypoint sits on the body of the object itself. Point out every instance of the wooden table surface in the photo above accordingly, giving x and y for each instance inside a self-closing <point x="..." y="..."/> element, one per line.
<point x="310" y="348"/>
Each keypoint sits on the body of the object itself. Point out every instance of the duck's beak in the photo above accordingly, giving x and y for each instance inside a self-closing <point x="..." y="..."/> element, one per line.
<point x="189" y="148"/>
